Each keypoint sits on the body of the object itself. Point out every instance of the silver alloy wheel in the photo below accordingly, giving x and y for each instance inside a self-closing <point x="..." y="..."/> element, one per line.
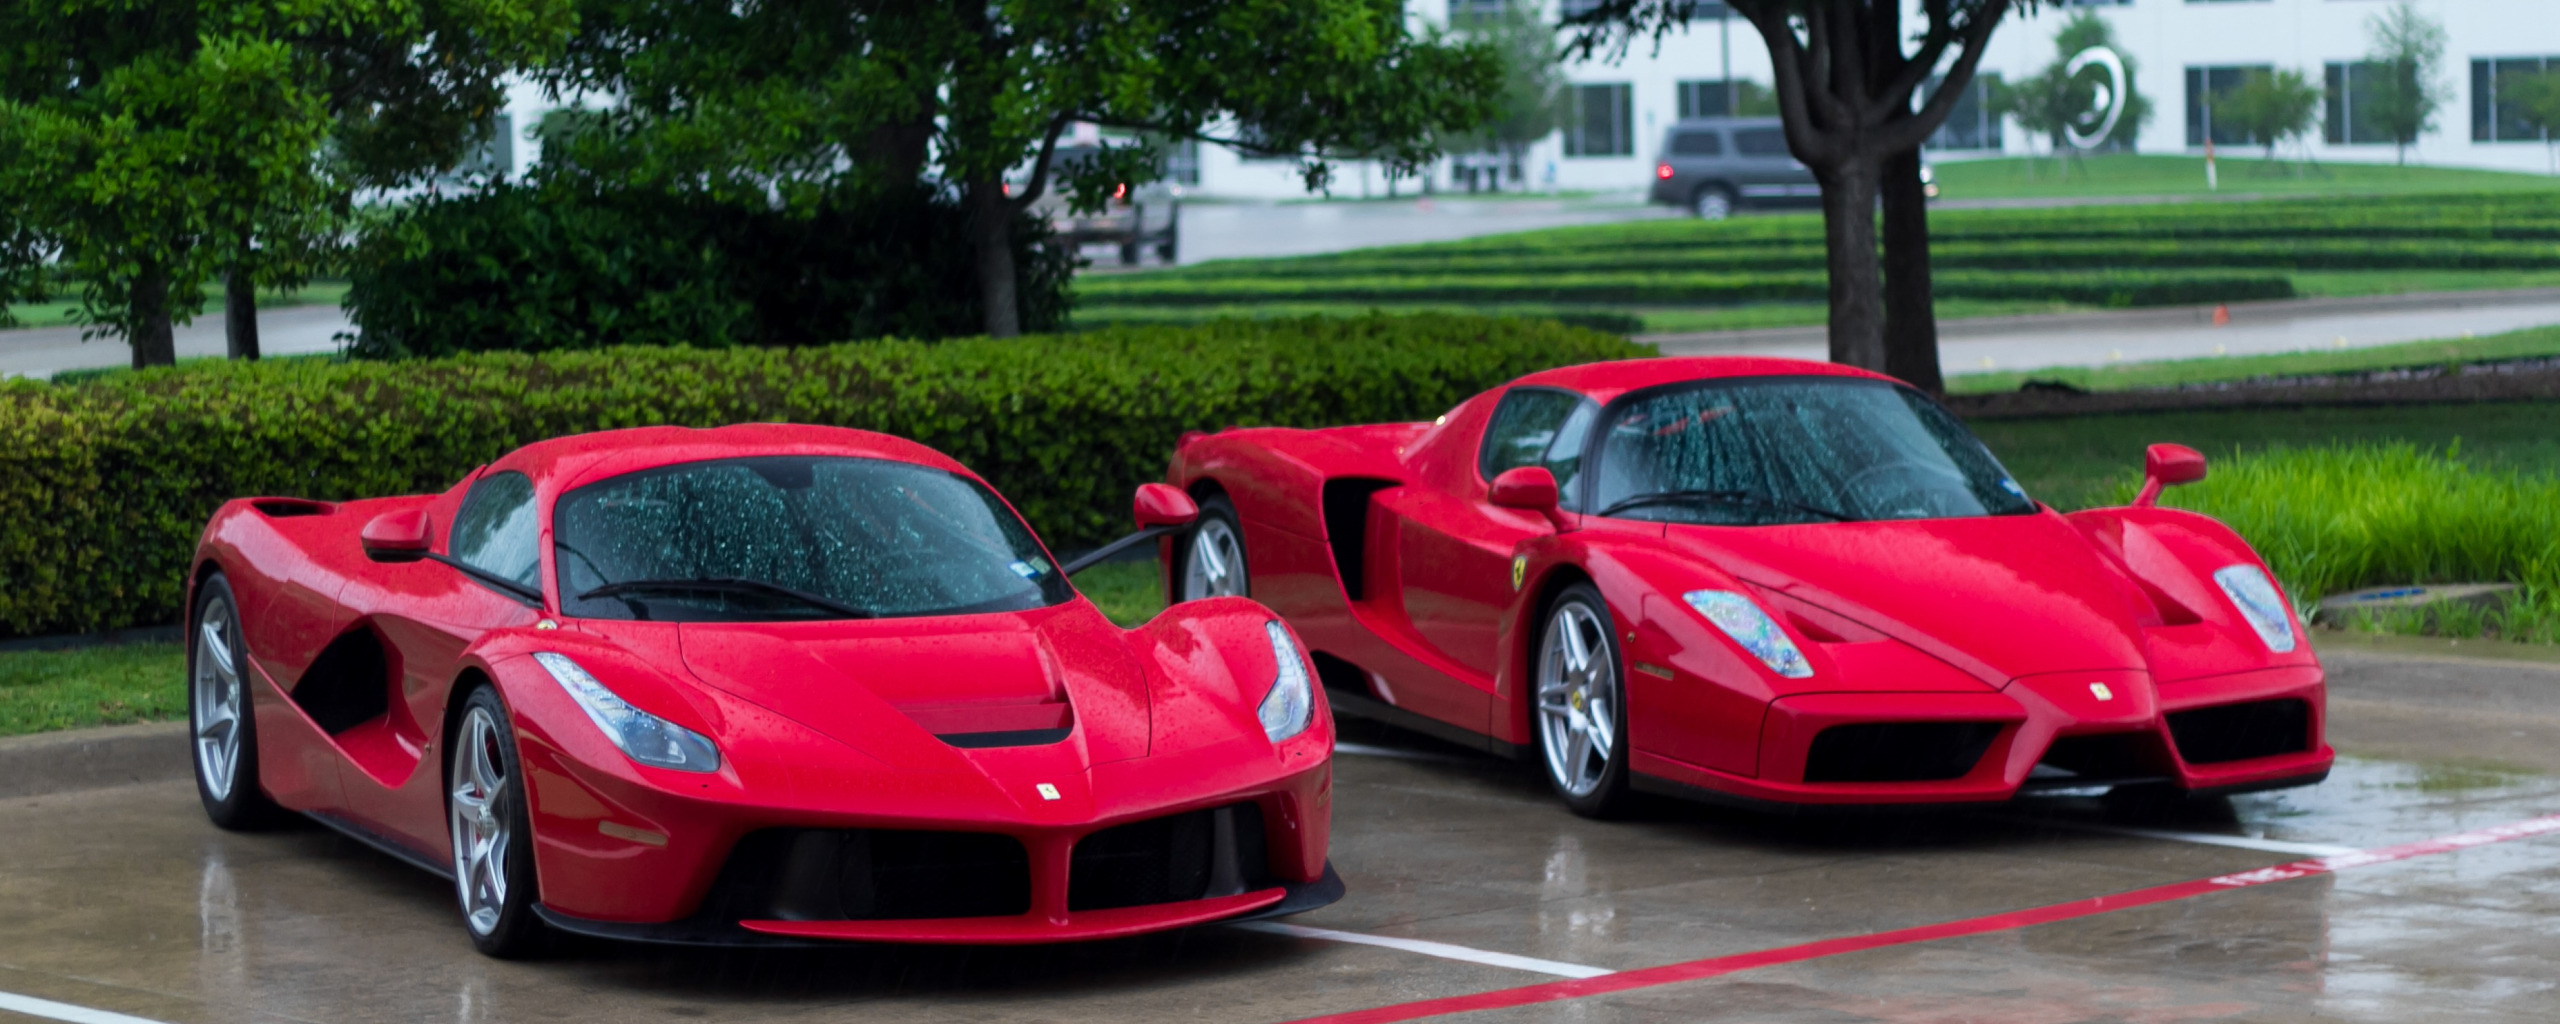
<point x="1577" y="698"/>
<point x="480" y="825"/>
<point x="1216" y="565"/>
<point x="1712" y="204"/>
<point x="216" y="693"/>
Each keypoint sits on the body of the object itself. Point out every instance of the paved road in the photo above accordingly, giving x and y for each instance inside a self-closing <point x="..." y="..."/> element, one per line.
<point x="294" y="330"/>
<point x="1233" y="230"/>
<point x="126" y="900"/>
<point x="2095" y="339"/>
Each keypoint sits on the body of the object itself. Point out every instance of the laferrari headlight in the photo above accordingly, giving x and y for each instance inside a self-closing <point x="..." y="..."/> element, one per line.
<point x="1289" y="706"/>
<point x="645" y="737"/>
<point x="1743" y="620"/>
<point x="2258" y="601"/>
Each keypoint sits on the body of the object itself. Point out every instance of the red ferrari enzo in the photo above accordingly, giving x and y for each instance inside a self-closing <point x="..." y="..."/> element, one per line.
<point x="753" y="684"/>
<point x="1761" y="580"/>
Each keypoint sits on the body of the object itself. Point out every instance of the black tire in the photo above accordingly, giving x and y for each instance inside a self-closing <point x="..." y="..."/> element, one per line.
<point x="221" y="716"/>
<point x="1222" y="531"/>
<point x="499" y="919"/>
<point x="1554" y="724"/>
<point x="1714" y="202"/>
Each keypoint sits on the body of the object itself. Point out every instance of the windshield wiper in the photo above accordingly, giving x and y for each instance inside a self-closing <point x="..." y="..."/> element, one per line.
<point x="1745" y="497"/>
<point x="729" y="585"/>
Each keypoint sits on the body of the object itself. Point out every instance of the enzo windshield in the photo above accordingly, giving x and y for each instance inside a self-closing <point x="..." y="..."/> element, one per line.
<point x="781" y="538"/>
<point x="1795" y="450"/>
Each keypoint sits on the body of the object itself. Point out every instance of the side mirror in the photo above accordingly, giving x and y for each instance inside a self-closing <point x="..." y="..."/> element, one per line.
<point x="396" y="536"/>
<point x="1164" y="505"/>
<point x="2167" y="465"/>
<point x="1529" y="489"/>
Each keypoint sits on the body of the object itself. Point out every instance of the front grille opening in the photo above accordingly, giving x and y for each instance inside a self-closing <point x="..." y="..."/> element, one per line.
<point x="1196" y="855"/>
<point x="2238" y="732"/>
<point x="1898" y="751"/>
<point x="872" y="875"/>
<point x="2108" y="757"/>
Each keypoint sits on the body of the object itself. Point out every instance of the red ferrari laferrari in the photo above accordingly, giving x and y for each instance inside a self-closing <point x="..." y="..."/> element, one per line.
<point x="1756" y="580"/>
<point x="756" y="684"/>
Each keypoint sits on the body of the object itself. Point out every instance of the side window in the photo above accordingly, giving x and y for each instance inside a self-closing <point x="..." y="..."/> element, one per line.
<point x="1523" y="425"/>
<point x="1697" y="144"/>
<point x="1761" y="142"/>
<point x="1564" y="454"/>
<point x="495" y="530"/>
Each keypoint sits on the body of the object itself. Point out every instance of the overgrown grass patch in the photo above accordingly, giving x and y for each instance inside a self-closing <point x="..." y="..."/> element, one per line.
<point x="44" y="691"/>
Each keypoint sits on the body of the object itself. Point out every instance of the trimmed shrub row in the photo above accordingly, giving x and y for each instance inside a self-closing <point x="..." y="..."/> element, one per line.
<point x="2127" y="288"/>
<point x="104" y="486"/>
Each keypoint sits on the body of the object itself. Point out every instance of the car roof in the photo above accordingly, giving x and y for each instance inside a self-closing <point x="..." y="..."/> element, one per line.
<point x="578" y="458"/>
<point x="1604" y="382"/>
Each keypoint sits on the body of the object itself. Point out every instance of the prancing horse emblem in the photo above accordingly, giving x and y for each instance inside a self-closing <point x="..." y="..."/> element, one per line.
<point x="1519" y="570"/>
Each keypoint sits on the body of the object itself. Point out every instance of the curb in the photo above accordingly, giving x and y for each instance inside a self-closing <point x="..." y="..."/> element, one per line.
<point x="116" y="755"/>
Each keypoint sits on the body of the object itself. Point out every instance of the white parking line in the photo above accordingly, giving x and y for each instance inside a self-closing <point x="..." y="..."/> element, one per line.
<point x="2200" y="838"/>
<point x="1442" y="950"/>
<point x="1366" y="750"/>
<point x="50" y="1010"/>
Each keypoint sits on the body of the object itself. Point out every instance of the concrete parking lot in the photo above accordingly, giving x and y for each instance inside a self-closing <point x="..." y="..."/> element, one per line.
<point x="1469" y="884"/>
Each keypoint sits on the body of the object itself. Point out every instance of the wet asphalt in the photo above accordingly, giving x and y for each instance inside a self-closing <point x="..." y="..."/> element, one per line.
<point x="125" y="900"/>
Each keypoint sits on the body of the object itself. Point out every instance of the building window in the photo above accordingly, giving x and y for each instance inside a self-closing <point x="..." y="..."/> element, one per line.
<point x="2204" y="86"/>
<point x="2496" y="113"/>
<point x="1971" y="125"/>
<point x="1705" y="99"/>
<point x="1603" y="121"/>
<point x="2351" y="92"/>
<point x="1182" y="162"/>
<point x="1463" y="11"/>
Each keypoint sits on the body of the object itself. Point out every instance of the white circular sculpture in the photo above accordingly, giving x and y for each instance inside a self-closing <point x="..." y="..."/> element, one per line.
<point x="2107" y="105"/>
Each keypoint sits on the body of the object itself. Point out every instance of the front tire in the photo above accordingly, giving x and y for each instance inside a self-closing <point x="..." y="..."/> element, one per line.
<point x="221" y="716"/>
<point x="1581" y="722"/>
<point x="492" y="834"/>
<point x="1212" y="562"/>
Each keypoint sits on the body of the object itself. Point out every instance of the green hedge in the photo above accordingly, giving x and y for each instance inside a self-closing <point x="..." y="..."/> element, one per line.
<point x="104" y="486"/>
<point x="2075" y="254"/>
<point x="2109" y="288"/>
<point x="566" y="263"/>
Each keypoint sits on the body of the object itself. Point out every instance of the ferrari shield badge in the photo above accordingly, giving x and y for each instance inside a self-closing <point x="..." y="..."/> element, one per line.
<point x="1519" y="570"/>
<point x="1047" y="791"/>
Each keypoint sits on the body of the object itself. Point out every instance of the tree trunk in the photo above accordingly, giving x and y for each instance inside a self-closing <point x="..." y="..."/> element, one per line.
<point x="148" y="330"/>
<point x="991" y="231"/>
<point x="1910" y="310"/>
<point x="1849" y="241"/>
<point x="240" y="311"/>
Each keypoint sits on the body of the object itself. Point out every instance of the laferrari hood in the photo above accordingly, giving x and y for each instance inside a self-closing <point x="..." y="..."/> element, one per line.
<point x="1998" y="597"/>
<point x="913" y="692"/>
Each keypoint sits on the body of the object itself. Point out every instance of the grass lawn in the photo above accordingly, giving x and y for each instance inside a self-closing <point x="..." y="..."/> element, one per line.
<point x="42" y="691"/>
<point x="2127" y="174"/>
<point x="2530" y="342"/>
<point x="57" y="313"/>
<point x="1129" y="593"/>
<point x="2077" y="462"/>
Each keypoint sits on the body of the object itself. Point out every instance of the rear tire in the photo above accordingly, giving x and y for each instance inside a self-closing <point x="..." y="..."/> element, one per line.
<point x="1210" y="559"/>
<point x="492" y="834"/>
<point x="1713" y="202"/>
<point x="1579" y="714"/>
<point x="222" y="717"/>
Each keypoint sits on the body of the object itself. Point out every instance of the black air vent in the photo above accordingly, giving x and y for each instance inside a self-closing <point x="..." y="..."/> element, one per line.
<point x="794" y="874"/>
<point x="1898" y="751"/>
<point x="2238" y="732"/>
<point x="1008" y="738"/>
<point x="1346" y="528"/>
<point x="1216" y="852"/>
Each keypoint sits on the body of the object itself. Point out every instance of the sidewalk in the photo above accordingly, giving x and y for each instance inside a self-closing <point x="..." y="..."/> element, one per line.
<point x="292" y="330"/>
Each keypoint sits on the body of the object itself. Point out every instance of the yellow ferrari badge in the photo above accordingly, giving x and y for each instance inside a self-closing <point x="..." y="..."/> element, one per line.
<point x="1519" y="570"/>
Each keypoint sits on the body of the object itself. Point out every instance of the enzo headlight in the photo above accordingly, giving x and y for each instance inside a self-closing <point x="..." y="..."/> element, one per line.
<point x="2259" y="603"/>
<point x="1287" y="709"/>
<point x="647" y="738"/>
<point x="1742" y="620"/>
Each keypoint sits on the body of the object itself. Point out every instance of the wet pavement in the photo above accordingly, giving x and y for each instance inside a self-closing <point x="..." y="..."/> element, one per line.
<point x="126" y="900"/>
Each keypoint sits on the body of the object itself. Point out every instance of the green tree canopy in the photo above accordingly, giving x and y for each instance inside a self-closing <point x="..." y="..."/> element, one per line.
<point x="2409" y="48"/>
<point x="151" y="145"/>
<point x="2273" y="107"/>
<point x="782" y="98"/>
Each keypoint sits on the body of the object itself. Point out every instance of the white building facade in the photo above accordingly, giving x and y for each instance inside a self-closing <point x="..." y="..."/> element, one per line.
<point x="2184" y="52"/>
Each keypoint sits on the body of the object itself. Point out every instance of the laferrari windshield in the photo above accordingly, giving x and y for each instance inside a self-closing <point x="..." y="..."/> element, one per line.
<point x="785" y="538"/>
<point x="1776" y="450"/>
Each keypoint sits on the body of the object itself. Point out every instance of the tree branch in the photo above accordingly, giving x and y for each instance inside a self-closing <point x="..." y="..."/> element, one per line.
<point x="1909" y="132"/>
<point x="1039" y="182"/>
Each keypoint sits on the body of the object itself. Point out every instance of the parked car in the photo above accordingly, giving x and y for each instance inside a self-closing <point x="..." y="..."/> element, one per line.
<point x="1759" y="581"/>
<point x="1133" y="220"/>
<point x="760" y="684"/>
<point x="1713" y="166"/>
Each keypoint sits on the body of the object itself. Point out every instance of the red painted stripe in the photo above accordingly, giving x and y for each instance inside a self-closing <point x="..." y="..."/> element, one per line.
<point x="1694" y="970"/>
